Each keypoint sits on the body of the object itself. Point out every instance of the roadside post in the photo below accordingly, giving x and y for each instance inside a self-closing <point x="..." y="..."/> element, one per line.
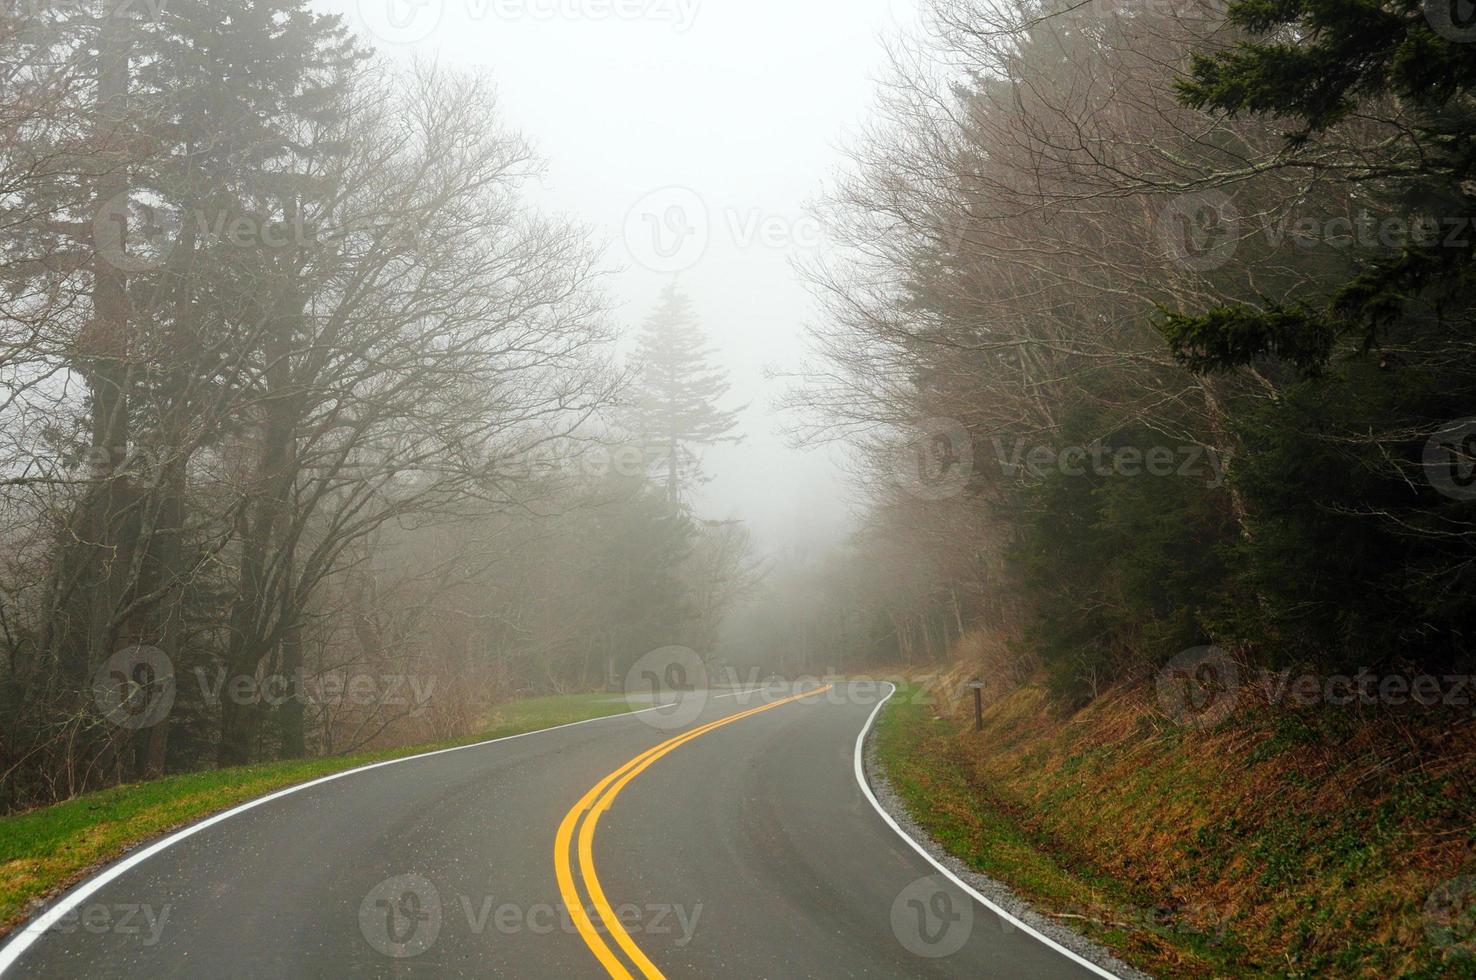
<point x="978" y="688"/>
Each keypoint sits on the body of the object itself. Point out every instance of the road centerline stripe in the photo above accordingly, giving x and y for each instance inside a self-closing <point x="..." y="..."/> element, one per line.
<point x="588" y="809"/>
<point x="28" y="932"/>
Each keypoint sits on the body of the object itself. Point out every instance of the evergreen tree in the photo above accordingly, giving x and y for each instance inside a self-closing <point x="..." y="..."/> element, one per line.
<point x="1355" y="559"/>
<point x="676" y="410"/>
<point x="1318" y="64"/>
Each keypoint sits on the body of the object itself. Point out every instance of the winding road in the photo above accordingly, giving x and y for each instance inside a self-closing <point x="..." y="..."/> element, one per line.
<point x="738" y="840"/>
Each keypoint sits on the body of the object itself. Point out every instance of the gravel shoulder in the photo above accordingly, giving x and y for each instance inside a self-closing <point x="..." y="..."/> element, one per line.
<point x="995" y="891"/>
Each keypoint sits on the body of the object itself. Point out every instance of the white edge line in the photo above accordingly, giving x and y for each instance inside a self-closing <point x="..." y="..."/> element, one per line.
<point x="718" y="697"/>
<point x="866" y="789"/>
<point x="33" y="930"/>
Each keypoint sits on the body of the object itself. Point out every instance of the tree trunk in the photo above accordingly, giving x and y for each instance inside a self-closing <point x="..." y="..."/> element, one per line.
<point x="93" y="557"/>
<point x="257" y="612"/>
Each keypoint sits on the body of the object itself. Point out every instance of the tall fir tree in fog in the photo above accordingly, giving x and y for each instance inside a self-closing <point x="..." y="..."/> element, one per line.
<point x="676" y="410"/>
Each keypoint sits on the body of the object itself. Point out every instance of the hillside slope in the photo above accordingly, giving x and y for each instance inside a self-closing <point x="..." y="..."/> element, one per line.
<point x="1286" y="842"/>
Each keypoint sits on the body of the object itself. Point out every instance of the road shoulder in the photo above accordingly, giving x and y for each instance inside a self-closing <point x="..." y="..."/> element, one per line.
<point x="995" y="891"/>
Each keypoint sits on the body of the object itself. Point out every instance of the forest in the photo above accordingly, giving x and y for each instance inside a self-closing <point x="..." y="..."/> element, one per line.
<point x="1152" y="322"/>
<point x="315" y="434"/>
<point x="1011" y="513"/>
<point x="1147" y="328"/>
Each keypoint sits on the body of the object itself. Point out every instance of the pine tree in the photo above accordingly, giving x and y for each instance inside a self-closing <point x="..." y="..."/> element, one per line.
<point x="257" y="98"/>
<point x="1318" y="64"/>
<point x="676" y="410"/>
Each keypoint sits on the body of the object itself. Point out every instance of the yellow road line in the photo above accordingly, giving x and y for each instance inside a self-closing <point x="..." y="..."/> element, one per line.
<point x="586" y="832"/>
<point x="572" y="900"/>
<point x="595" y="802"/>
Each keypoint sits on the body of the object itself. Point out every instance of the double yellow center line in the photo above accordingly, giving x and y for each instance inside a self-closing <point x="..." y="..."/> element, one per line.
<point x="588" y="809"/>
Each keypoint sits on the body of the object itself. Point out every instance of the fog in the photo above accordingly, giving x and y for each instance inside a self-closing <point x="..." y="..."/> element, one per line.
<point x="379" y="374"/>
<point x="735" y="113"/>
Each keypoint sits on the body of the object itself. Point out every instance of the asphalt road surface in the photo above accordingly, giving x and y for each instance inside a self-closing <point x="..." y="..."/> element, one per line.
<point x="745" y="848"/>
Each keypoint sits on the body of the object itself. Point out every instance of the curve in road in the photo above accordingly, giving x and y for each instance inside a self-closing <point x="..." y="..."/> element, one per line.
<point x="755" y="850"/>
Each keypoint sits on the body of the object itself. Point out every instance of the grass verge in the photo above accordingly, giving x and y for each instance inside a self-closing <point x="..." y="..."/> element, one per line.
<point x="1270" y="848"/>
<point x="48" y="849"/>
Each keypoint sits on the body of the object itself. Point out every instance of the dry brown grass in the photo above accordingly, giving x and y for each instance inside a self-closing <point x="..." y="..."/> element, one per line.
<point x="1314" y="838"/>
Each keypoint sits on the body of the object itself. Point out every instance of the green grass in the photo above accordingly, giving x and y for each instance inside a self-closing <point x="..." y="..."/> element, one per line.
<point x="49" y="848"/>
<point x="531" y="714"/>
<point x="914" y="750"/>
<point x="1276" y="847"/>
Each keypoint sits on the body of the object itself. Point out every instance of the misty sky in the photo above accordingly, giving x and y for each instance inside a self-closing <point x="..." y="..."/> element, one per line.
<point x="690" y="134"/>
